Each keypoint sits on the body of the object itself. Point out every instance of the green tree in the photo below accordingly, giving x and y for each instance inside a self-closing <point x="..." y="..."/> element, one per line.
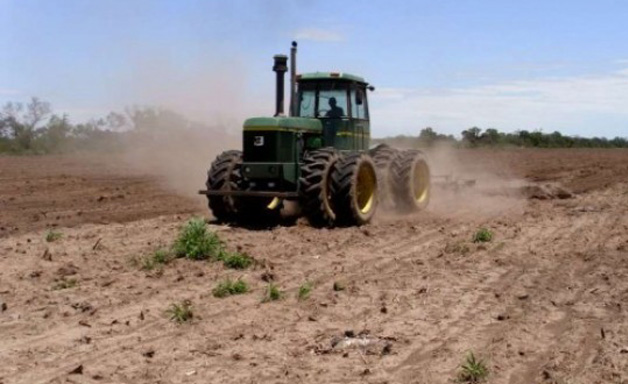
<point x="471" y="136"/>
<point x="20" y="122"/>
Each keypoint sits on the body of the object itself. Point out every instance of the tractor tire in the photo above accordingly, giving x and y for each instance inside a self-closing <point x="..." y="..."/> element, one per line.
<point x="411" y="181"/>
<point x="315" y="186"/>
<point x="224" y="175"/>
<point x="354" y="183"/>
<point x="384" y="155"/>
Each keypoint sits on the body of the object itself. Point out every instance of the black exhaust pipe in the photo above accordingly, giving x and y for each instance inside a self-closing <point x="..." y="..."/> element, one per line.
<point x="293" y="79"/>
<point x="280" y="68"/>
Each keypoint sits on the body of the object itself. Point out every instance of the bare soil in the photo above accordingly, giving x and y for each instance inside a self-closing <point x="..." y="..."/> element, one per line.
<point x="546" y="301"/>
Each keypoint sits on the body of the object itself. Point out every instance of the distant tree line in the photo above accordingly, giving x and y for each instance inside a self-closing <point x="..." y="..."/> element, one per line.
<point x="475" y="137"/>
<point x="33" y="128"/>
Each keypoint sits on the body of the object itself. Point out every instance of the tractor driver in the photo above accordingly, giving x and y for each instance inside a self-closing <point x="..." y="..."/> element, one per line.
<point x="335" y="111"/>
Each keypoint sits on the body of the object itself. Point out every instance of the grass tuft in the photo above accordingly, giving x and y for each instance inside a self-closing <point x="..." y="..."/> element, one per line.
<point x="304" y="291"/>
<point x="65" y="284"/>
<point x="229" y="287"/>
<point x="236" y="260"/>
<point x="272" y="293"/>
<point x="483" y="235"/>
<point x="196" y="242"/>
<point x="472" y="370"/>
<point x="181" y="313"/>
<point x="53" y="236"/>
<point x="160" y="258"/>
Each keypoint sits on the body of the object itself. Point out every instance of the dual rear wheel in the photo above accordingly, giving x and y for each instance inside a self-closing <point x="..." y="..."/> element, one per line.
<point x="336" y="189"/>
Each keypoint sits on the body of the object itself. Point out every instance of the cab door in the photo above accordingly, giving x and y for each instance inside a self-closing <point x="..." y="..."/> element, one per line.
<point x="359" y="117"/>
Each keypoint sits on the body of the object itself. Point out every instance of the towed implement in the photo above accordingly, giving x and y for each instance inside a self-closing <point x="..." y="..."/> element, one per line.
<point x="317" y="156"/>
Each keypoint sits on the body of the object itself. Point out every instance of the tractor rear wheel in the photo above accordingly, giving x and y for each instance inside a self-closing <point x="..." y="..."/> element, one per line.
<point x="384" y="155"/>
<point x="224" y="175"/>
<point x="315" y="186"/>
<point x="411" y="181"/>
<point x="355" y="189"/>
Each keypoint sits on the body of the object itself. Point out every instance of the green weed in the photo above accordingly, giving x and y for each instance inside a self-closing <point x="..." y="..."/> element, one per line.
<point x="236" y="260"/>
<point x="53" y="236"/>
<point x="304" y="291"/>
<point x="229" y="287"/>
<point x="483" y="235"/>
<point x="181" y="313"/>
<point x="196" y="242"/>
<point x="472" y="370"/>
<point x="64" y="284"/>
<point x="272" y="293"/>
<point x="160" y="258"/>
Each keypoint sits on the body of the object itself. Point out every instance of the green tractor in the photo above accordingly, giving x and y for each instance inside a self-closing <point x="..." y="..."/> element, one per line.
<point x="318" y="157"/>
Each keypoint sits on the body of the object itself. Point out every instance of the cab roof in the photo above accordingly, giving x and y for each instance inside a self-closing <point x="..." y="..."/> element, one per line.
<point x="329" y="76"/>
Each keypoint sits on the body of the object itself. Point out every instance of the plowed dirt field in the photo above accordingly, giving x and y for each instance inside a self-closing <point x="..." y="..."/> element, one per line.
<point x="401" y="300"/>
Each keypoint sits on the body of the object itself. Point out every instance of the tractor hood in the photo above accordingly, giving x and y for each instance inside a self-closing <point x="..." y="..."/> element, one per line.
<point x="283" y="124"/>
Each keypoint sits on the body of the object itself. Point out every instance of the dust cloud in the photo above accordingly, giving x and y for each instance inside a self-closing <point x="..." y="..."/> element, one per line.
<point x="206" y="103"/>
<point x="466" y="183"/>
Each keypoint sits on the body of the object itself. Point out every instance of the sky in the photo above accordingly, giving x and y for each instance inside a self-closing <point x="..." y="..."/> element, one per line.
<point x="448" y="64"/>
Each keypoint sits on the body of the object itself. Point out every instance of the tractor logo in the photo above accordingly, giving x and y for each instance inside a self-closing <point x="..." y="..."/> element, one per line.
<point x="259" y="141"/>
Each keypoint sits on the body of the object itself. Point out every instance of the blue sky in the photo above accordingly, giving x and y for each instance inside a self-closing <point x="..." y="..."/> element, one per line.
<point x="550" y="65"/>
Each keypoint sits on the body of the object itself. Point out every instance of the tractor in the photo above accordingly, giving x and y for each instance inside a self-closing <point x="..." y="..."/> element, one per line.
<point x="317" y="156"/>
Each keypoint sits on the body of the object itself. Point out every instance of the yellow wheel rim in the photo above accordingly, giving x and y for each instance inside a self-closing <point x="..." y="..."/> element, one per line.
<point x="421" y="182"/>
<point x="365" y="187"/>
<point x="274" y="203"/>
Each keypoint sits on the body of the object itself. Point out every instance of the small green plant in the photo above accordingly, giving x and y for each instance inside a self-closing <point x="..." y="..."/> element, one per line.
<point x="229" y="287"/>
<point x="237" y="260"/>
<point x="483" y="235"/>
<point x="472" y="370"/>
<point x="195" y="242"/>
<point x="181" y="313"/>
<point x="304" y="291"/>
<point x="272" y="293"/>
<point x="64" y="284"/>
<point x="160" y="258"/>
<point x="53" y="236"/>
<point x="338" y="286"/>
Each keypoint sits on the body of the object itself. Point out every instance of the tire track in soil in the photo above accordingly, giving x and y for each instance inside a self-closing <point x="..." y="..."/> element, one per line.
<point x="472" y="319"/>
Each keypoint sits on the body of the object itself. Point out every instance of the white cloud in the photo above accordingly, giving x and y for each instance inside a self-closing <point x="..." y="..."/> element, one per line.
<point x="570" y="105"/>
<point x="318" y="34"/>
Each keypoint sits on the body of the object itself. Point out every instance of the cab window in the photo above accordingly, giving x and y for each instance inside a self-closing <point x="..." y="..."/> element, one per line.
<point x="307" y="103"/>
<point x="323" y="100"/>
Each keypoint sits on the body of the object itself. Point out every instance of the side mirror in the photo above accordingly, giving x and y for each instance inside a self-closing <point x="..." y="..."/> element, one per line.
<point x="370" y="88"/>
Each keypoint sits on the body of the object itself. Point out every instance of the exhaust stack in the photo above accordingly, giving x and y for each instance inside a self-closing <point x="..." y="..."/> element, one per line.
<point x="293" y="79"/>
<point x="280" y="68"/>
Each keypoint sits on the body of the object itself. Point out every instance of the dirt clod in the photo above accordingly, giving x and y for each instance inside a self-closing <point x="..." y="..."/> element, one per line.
<point x="77" y="371"/>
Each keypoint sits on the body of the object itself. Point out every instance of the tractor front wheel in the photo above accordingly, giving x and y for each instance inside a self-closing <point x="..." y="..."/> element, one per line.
<point x="411" y="181"/>
<point x="224" y="175"/>
<point x="355" y="189"/>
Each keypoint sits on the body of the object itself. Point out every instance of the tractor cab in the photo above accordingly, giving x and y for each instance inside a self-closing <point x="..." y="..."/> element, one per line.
<point x="339" y="101"/>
